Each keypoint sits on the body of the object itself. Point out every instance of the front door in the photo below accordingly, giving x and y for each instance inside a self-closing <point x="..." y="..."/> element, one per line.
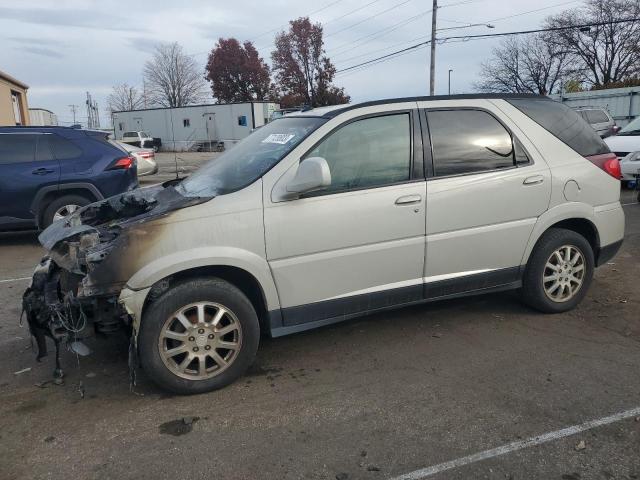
<point x="483" y="199"/>
<point x="358" y="245"/>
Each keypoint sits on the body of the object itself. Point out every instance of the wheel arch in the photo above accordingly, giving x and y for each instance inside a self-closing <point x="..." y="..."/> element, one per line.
<point x="236" y="276"/>
<point x="577" y="219"/>
<point x="246" y="270"/>
<point x="47" y="194"/>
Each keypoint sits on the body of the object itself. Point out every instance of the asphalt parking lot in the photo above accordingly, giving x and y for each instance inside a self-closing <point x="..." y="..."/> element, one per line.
<point x="183" y="162"/>
<point x="442" y="390"/>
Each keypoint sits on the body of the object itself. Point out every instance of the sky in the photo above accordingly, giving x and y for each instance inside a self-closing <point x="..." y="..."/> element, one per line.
<point x="65" y="48"/>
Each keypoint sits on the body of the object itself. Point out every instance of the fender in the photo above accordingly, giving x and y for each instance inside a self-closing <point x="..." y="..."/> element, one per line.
<point x="564" y="211"/>
<point x="168" y="265"/>
<point x="62" y="187"/>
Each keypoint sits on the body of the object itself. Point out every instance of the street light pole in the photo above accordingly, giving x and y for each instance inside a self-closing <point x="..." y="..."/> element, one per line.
<point x="450" y="70"/>
<point x="432" y="68"/>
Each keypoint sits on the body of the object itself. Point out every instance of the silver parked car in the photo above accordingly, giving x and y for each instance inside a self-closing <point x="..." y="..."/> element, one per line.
<point x="145" y="159"/>
<point x="334" y="213"/>
<point x="599" y="119"/>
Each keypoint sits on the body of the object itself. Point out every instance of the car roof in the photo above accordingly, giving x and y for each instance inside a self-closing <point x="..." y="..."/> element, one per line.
<point x="334" y="110"/>
<point x="64" y="131"/>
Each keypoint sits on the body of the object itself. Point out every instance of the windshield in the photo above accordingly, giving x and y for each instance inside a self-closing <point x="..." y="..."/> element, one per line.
<point x="250" y="159"/>
<point x="633" y="127"/>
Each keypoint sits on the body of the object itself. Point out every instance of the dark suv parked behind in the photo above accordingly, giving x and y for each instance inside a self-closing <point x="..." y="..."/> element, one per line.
<point x="46" y="173"/>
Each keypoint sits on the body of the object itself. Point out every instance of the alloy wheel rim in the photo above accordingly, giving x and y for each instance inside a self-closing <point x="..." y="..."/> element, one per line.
<point x="564" y="273"/>
<point x="65" y="211"/>
<point x="200" y="340"/>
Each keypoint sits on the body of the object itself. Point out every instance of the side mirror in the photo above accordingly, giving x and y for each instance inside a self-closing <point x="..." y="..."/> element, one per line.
<point x="313" y="174"/>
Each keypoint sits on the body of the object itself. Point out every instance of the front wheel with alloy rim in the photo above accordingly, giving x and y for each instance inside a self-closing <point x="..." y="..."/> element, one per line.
<point x="200" y="335"/>
<point x="559" y="271"/>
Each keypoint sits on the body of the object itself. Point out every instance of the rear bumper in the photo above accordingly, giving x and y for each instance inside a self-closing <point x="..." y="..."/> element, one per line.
<point x="607" y="252"/>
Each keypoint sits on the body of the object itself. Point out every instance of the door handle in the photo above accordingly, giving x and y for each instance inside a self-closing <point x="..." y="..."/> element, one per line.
<point x="535" y="180"/>
<point x="42" y="171"/>
<point x="408" y="200"/>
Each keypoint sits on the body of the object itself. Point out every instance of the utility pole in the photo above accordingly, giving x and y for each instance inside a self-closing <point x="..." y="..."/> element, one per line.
<point x="450" y="70"/>
<point x="432" y="69"/>
<point x="73" y="111"/>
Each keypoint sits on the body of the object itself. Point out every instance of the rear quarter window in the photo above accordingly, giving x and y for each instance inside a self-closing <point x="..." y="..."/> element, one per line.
<point x="63" y="149"/>
<point x="562" y="122"/>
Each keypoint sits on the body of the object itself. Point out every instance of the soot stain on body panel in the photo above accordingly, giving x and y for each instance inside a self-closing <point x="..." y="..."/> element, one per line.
<point x="91" y="255"/>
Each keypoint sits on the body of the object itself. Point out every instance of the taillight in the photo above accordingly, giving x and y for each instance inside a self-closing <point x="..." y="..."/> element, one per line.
<point x="607" y="162"/>
<point x="122" y="163"/>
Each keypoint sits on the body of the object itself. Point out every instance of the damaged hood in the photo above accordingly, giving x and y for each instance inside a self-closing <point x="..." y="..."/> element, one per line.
<point x="84" y="239"/>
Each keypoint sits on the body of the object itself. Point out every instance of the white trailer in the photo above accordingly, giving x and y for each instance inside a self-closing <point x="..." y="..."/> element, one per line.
<point x="41" y="117"/>
<point x="196" y="127"/>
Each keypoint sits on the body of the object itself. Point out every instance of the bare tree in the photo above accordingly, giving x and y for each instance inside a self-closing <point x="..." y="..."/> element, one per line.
<point x="531" y="64"/>
<point x="605" y="53"/>
<point x="173" y="78"/>
<point x="124" y="97"/>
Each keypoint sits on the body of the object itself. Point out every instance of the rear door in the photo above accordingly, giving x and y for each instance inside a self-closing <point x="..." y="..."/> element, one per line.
<point x="26" y="166"/>
<point x="484" y="195"/>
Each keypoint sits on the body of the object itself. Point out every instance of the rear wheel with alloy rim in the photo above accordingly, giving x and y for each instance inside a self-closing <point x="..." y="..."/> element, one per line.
<point x="200" y="335"/>
<point x="62" y="207"/>
<point x="563" y="273"/>
<point x="559" y="271"/>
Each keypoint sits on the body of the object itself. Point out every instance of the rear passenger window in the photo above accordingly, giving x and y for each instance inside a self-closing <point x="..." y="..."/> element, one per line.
<point x="17" y="147"/>
<point x="368" y="153"/>
<point x="469" y="141"/>
<point x="63" y="149"/>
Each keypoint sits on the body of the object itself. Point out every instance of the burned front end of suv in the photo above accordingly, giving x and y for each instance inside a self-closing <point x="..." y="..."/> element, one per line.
<point x="90" y="256"/>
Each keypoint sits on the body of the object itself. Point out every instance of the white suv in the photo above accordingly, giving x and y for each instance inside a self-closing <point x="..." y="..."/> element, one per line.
<point x="337" y="212"/>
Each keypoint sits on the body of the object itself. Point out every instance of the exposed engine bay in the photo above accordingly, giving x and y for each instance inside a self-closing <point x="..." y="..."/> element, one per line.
<point x="90" y="258"/>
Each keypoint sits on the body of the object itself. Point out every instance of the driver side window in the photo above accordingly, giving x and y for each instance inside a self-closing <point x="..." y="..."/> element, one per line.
<point x="367" y="153"/>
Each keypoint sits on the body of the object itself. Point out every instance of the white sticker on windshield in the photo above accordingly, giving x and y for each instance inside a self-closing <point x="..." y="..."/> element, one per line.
<point x="280" y="138"/>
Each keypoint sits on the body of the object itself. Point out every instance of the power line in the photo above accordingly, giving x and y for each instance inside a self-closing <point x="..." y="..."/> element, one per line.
<point x="349" y="13"/>
<point x="307" y="15"/>
<point x="328" y="21"/>
<point x="384" y="31"/>
<point x="393" y="7"/>
<point x="465" y="25"/>
<point x="483" y="36"/>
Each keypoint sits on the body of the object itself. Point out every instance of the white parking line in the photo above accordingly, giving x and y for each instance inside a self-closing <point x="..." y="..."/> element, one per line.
<point x="15" y="279"/>
<point x="519" y="445"/>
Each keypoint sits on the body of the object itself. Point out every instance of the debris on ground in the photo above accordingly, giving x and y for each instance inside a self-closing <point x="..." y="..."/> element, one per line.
<point x="373" y="468"/>
<point x="581" y="445"/>
<point x="178" y="427"/>
<point x="90" y="375"/>
<point x="49" y="439"/>
<point x="437" y="335"/>
<point x="342" y="476"/>
<point x="24" y="370"/>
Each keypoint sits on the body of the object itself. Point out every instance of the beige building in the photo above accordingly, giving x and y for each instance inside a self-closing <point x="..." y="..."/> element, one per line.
<point x="13" y="101"/>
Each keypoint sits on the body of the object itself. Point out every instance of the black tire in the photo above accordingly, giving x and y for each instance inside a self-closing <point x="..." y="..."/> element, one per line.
<point x="51" y="209"/>
<point x="176" y="298"/>
<point x="533" y="291"/>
